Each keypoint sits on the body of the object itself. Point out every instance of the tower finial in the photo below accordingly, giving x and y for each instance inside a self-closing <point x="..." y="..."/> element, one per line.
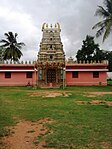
<point x="43" y="26"/>
<point x="58" y="26"/>
<point x="55" y="26"/>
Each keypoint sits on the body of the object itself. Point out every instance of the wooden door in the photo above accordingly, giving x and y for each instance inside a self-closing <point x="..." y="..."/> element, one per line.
<point x="51" y="76"/>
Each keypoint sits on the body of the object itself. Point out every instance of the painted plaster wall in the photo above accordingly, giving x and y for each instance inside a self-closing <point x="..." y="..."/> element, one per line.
<point x="86" y="79"/>
<point x="17" y="79"/>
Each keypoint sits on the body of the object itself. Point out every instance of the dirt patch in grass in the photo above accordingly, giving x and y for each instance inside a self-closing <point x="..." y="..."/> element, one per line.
<point x="25" y="135"/>
<point x="94" y="102"/>
<point x="106" y="145"/>
<point x="97" y="102"/>
<point x="49" y="93"/>
<point x="94" y="94"/>
<point x="109" y="103"/>
<point x="103" y="145"/>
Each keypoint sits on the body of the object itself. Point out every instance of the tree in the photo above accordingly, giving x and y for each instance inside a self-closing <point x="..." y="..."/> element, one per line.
<point x="11" y="47"/>
<point x="1" y="55"/>
<point x="100" y="55"/>
<point x="105" y="26"/>
<point x="90" y="50"/>
<point x="109" y="57"/>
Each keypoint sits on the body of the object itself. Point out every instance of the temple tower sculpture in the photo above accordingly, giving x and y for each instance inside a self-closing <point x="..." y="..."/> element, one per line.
<point x="51" y="57"/>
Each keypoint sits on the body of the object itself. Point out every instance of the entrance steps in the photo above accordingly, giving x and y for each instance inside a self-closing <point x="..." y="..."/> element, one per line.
<point x="50" y="85"/>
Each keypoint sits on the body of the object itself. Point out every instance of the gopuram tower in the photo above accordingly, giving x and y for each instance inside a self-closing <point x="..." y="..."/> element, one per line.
<point x="51" y="57"/>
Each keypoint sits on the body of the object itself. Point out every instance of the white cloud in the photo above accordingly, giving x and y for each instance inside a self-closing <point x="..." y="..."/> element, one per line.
<point x="21" y="23"/>
<point x="26" y="17"/>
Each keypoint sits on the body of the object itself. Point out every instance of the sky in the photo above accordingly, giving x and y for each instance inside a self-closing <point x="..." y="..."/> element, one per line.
<point x="76" y="18"/>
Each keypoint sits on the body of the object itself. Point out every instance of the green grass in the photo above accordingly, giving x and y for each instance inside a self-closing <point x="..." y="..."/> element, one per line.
<point x="109" y="81"/>
<point x="74" y="126"/>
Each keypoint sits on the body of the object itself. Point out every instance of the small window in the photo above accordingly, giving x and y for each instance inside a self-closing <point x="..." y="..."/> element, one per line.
<point x="51" y="57"/>
<point x="7" y="74"/>
<point x="95" y="74"/>
<point x="50" y="46"/>
<point x="75" y="74"/>
<point x="29" y="75"/>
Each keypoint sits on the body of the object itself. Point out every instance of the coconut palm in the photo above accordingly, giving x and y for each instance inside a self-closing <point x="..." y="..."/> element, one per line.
<point x="105" y="26"/>
<point x="11" y="47"/>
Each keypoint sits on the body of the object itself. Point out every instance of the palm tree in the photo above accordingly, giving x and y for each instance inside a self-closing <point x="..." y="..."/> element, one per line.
<point x="11" y="47"/>
<point x="105" y="26"/>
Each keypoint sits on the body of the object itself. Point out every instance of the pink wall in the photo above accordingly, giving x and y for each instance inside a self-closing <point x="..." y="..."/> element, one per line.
<point x="86" y="66"/>
<point x="17" y="66"/>
<point x="17" y="79"/>
<point x="86" y="79"/>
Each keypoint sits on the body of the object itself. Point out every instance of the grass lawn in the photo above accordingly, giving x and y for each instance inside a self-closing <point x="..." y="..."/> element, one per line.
<point x="109" y="82"/>
<point x="75" y="125"/>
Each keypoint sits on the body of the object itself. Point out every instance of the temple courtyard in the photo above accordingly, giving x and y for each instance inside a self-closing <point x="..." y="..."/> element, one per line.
<point x="69" y="118"/>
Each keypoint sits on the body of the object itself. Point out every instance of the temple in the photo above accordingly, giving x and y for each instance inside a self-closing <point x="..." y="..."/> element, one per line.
<point x="52" y="69"/>
<point x="51" y="57"/>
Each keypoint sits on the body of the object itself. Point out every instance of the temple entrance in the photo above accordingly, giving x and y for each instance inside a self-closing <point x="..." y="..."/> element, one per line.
<point x="51" y="57"/>
<point x="51" y="75"/>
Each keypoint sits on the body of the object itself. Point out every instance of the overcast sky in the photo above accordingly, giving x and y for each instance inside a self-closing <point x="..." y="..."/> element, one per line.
<point x="25" y="17"/>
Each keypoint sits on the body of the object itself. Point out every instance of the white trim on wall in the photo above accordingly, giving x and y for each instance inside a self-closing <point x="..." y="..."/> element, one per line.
<point x="87" y="70"/>
<point x="17" y="70"/>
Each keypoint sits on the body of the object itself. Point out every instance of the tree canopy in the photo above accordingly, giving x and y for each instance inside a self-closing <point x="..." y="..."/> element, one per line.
<point x="90" y="50"/>
<point x="105" y="26"/>
<point x="1" y="54"/>
<point x="11" y="48"/>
